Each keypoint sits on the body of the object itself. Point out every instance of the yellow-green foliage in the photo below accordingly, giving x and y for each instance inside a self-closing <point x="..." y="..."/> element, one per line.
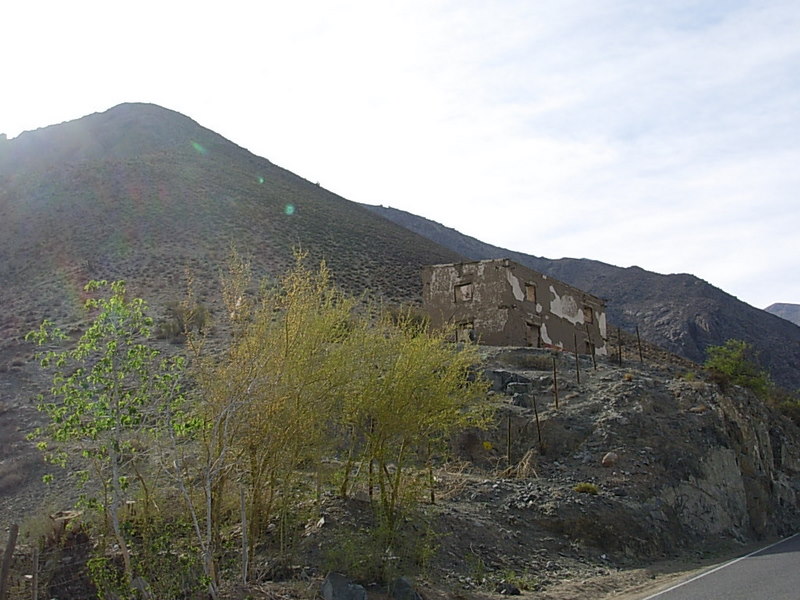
<point x="406" y="391"/>
<point x="586" y="488"/>
<point x="734" y="363"/>
<point x="311" y="378"/>
<point x="311" y="374"/>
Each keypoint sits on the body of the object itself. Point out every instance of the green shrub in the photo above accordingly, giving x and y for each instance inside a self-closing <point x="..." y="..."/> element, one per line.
<point x="586" y="488"/>
<point x="786" y="403"/>
<point x="377" y="554"/>
<point x="734" y="363"/>
<point x="524" y="581"/>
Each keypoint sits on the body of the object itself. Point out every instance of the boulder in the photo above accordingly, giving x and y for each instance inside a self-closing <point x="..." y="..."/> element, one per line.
<point x="609" y="459"/>
<point x="500" y="379"/>
<point x="403" y="589"/>
<point x="337" y="587"/>
<point x="507" y="589"/>
<point x="522" y="400"/>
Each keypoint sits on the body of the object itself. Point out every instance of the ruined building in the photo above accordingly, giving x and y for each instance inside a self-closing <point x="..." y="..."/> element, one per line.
<point x="501" y="303"/>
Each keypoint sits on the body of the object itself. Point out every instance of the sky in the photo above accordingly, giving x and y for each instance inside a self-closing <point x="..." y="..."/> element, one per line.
<point x="658" y="133"/>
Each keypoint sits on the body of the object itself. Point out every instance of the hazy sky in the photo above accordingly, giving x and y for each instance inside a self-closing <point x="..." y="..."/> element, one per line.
<point x="658" y="133"/>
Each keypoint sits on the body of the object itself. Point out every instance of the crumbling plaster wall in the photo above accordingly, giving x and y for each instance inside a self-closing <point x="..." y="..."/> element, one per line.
<point x="504" y="301"/>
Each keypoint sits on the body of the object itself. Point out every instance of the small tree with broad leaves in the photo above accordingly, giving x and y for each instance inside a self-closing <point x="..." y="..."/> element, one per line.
<point x="109" y="394"/>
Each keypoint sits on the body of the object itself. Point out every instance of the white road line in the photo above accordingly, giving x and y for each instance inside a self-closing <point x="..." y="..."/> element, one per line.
<point x="715" y="569"/>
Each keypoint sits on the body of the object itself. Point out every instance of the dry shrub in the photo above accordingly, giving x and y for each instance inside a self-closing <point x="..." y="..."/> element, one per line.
<point x="526" y="467"/>
<point x="452" y="479"/>
<point x="12" y="476"/>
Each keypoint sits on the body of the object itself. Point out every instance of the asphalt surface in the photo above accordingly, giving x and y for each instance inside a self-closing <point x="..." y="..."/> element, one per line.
<point x="772" y="573"/>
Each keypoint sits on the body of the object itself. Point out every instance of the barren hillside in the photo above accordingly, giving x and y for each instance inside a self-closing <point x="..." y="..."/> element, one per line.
<point x="145" y="194"/>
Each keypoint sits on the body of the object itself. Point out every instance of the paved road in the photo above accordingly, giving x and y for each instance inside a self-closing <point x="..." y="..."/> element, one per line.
<point x="772" y="573"/>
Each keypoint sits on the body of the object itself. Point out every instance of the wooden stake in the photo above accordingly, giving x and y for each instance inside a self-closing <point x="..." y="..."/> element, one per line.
<point x="245" y="542"/>
<point x="7" y="558"/>
<point x="508" y="441"/>
<point x="555" y="382"/>
<point x="370" y="480"/>
<point x="639" y="342"/>
<point x="35" y="580"/>
<point x="431" y="480"/>
<point x="538" y="427"/>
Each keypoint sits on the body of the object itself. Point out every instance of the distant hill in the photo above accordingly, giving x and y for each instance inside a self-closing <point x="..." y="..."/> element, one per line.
<point x="681" y="312"/>
<point x="790" y="312"/>
<point x="146" y="194"/>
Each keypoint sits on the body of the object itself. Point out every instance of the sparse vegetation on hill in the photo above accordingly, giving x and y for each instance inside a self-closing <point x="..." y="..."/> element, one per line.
<point x="315" y="395"/>
<point x="734" y="363"/>
<point x="144" y="194"/>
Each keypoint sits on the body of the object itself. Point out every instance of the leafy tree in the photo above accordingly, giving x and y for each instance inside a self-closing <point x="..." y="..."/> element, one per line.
<point x="270" y="395"/>
<point x="312" y="373"/>
<point x="734" y="363"/>
<point x="408" y="390"/>
<point x="108" y="395"/>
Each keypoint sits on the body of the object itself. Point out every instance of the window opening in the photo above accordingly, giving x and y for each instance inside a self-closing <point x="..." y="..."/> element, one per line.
<point x="463" y="292"/>
<point x="533" y="335"/>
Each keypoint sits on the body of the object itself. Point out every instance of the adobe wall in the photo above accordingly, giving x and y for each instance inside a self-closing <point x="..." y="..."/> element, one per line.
<point x="510" y="305"/>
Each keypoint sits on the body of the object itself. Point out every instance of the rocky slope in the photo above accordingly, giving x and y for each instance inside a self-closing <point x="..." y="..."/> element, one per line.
<point x="679" y="312"/>
<point x="678" y="467"/>
<point x="790" y="312"/>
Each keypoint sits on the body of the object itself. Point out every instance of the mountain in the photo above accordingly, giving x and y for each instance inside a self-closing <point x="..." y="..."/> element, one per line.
<point x="679" y="312"/>
<point x="790" y="312"/>
<point x="146" y="194"/>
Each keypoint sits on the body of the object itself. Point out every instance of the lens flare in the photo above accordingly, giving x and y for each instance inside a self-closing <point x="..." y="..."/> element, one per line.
<point x="198" y="148"/>
<point x="260" y="180"/>
<point x="288" y="209"/>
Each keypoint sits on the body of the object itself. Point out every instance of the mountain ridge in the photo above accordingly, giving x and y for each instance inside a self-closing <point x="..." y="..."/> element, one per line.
<point x="785" y="310"/>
